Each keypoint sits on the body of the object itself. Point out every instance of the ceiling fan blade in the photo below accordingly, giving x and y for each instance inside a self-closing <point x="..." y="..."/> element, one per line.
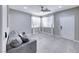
<point x="44" y="9"/>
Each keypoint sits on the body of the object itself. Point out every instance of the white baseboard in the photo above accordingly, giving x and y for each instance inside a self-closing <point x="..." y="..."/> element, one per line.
<point x="52" y="35"/>
<point x="66" y="38"/>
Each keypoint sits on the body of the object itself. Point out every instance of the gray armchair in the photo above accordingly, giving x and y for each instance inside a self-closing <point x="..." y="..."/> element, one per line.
<point x="29" y="47"/>
<point x="16" y="45"/>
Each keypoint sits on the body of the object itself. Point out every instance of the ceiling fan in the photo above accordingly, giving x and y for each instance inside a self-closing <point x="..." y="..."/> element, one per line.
<point x="43" y="9"/>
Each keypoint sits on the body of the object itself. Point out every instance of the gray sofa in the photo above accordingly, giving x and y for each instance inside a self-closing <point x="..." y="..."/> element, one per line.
<point x="29" y="47"/>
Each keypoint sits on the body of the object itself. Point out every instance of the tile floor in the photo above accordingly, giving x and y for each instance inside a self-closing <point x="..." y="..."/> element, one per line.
<point x="50" y="44"/>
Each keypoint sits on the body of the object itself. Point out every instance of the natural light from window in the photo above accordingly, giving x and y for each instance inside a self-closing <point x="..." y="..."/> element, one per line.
<point x="35" y="22"/>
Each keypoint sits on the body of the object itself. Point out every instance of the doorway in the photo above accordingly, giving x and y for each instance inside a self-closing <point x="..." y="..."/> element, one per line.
<point x="67" y="27"/>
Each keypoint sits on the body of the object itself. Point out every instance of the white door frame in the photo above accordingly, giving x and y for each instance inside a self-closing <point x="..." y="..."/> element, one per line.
<point x="4" y="27"/>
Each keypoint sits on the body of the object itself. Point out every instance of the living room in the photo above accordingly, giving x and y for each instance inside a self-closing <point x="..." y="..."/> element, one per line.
<point x="48" y="26"/>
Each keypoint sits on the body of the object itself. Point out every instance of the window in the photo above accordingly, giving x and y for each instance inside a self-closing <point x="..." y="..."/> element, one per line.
<point x="44" y="22"/>
<point x="47" y="21"/>
<point x="35" y="21"/>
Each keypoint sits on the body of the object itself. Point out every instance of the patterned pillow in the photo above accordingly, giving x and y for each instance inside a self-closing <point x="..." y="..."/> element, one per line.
<point x="12" y="36"/>
<point x="14" y="43"/>
<point x="24" y="38"/>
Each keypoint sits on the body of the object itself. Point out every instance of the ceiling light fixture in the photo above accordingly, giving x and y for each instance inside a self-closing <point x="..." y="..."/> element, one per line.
<point x="25" y="7"/>
<point x="44" y="9"/>
<point x="59" y="6"/>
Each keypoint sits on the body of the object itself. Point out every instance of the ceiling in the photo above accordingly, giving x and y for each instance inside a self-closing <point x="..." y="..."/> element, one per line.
<point x="36" y="9"/>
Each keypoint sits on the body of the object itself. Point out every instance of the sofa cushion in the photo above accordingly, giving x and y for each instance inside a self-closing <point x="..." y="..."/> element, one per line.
<point x="8" y="47"/>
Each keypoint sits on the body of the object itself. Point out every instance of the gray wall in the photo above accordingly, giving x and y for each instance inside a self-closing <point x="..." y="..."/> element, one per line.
<point x="57" y="15"/>
<point x="19" y="21"/>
